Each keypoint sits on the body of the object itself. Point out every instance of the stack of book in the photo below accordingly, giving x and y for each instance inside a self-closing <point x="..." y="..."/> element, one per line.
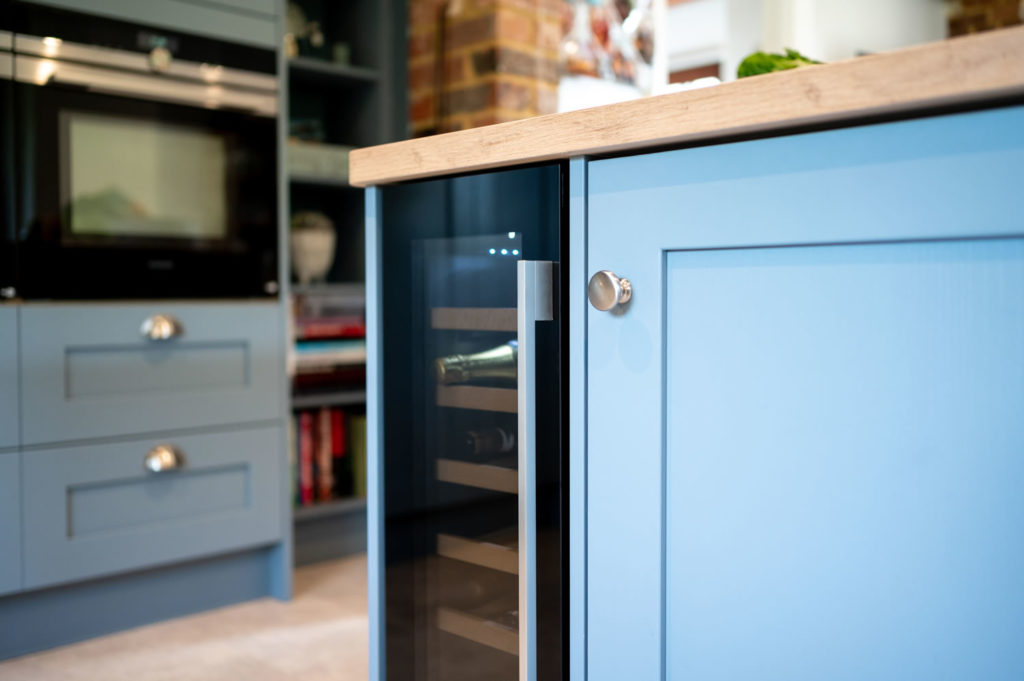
<point x="328" y="455"/>
<point x="330" y="336"/>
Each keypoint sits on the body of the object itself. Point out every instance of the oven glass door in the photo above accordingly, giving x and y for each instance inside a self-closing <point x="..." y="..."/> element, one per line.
<point x="124" y="197"/>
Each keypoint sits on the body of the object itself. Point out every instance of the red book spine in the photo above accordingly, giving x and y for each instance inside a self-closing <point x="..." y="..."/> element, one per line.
<point x="306" y="458"/>
<point x="338" y="440"/>
<point x="325" y="470"/>
<point x="311" y="329"/>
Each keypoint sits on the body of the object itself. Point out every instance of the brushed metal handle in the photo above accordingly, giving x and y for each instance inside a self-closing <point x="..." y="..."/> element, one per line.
<point x="161" y="327"/>
<point x="535" y="303"/>
<point x="163" y="458"/>
<point x="606" y="290"/>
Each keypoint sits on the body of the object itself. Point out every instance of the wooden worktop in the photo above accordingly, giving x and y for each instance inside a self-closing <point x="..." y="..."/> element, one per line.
<point x="952" y="72"/>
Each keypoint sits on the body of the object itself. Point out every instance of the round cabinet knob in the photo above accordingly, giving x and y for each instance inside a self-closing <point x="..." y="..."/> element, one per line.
<point x="163" y="458"/>
<point x="607" y="290"/>
<point x="161" y="327"/>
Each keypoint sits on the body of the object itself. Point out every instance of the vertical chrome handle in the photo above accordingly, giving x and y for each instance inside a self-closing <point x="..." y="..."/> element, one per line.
<point x="535" y="302"/>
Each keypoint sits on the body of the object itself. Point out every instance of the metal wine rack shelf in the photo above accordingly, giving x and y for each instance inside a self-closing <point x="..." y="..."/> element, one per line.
<point x="483" y="630"/>
<point x="477" y="397"/>
<point x="474" y="318"/>
<point x="496" y="551"/>
<point x="480" y="475"/>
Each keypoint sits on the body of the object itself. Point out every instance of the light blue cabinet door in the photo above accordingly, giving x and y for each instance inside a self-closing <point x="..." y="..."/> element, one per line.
<point x="8" y="377"/>
<point x="805" y="433"/>
<point x="94" y="510"/>
<point x="10" y="523"/>
<point x="88" y="372"/>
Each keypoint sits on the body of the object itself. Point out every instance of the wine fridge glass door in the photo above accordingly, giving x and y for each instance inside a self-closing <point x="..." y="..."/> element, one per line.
<point x="451" y="427"/>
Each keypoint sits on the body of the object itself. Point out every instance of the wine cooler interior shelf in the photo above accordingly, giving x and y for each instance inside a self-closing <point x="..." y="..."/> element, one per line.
<point x="481" y="475"/>
<point x="479" y="629"/>
<point x="476" y="397"/>
<point x="474" y="318"/>
<point x="496" y="551"/>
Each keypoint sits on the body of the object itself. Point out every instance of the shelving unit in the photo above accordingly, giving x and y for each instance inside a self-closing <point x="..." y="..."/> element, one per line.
<point x="493" y="557"/>
<point x="359" y="103"/>
<point x="302" y="68"/>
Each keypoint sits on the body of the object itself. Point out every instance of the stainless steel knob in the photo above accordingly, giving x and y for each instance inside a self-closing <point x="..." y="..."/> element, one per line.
<point x="607" y="290"/>
<point x="161" y="327"/>
<point x="163" y="458"/>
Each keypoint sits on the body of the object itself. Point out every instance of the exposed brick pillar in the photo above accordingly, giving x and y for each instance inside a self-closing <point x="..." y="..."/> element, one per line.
<point x="500" y="62"/>
<point x="972" y="16"/>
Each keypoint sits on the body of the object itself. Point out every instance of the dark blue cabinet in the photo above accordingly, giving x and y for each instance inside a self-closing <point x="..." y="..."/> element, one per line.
<point x="10" y="523"/>
<point x="812" y="463"/>
<point x="8" y="377"/>
<point x="89" y="371"/>
<point x="96" y="509"/>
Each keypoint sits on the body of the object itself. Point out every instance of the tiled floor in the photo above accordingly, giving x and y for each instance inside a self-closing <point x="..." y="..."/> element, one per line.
<point x="320" y="635"/>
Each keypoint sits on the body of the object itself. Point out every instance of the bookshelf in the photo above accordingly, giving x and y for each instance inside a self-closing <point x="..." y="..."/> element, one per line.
<point x="343" y="92"/>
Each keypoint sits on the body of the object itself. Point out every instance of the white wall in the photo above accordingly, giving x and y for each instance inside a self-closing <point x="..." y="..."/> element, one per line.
<point x="701" y="32"/>
<point x="832" y="30"/>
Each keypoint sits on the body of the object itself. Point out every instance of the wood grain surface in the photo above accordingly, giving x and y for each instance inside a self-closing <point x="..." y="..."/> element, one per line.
<point x="964" y="70"/>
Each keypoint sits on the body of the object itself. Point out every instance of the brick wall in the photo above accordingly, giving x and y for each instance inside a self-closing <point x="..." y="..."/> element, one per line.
<point x="971" y="16"/>
<point x="498" y="62"/>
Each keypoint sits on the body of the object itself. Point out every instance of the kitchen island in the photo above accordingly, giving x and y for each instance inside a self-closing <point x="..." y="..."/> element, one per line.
<point x="792" y="387"/>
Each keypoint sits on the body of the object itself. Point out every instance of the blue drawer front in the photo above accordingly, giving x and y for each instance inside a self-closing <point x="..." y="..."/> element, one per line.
<point x="10" y="523"/>
<point x="8" y="377"/>
<point x="95" y="510"/>
<point x="89" y="373"/>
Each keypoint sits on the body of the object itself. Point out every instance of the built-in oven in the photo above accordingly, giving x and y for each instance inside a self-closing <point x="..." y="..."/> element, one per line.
<point x="145" y="161"/>
<point x="7" y="289"/>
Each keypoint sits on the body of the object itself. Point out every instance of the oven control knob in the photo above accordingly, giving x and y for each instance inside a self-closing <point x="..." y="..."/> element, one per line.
<point x="159" y="59"/>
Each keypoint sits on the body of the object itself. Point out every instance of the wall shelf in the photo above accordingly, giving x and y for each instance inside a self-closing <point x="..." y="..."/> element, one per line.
<point x="328" y="399"/>
<point x="327" y="509"/>
<point x="318" y="181"/>
<point x="305" y="68"/>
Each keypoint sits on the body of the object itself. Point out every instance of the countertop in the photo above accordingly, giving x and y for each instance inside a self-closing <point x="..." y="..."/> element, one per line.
<point x="959" y="71"/>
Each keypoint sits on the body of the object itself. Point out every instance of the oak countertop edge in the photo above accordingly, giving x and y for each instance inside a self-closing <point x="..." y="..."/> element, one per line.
<point x="959" y="71"/>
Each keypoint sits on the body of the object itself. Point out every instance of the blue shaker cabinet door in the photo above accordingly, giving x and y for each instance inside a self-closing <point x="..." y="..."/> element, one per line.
<point x="88" y="370"/>
<point x="812" y="464"/>
<point x="8" y="377"/>
<point x="10" y="523"/>
<point x="93" y="510"/>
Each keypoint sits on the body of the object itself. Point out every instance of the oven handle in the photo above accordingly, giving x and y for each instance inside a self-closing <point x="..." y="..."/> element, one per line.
<point x="144" y="64"/>
<point x="41" y="71"/>
<point x="535" y="303"/>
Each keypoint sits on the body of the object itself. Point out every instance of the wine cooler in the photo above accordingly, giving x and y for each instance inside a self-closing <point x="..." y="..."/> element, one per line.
<point x="468" y="557"/>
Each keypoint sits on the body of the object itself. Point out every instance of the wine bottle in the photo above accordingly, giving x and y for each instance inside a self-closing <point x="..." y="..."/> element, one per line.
<point x="495" y="364"/>
<point x="489" y="442"/>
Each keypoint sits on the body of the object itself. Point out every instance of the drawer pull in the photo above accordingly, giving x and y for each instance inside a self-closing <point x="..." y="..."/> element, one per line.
<point x="163" y="458"/>
<point x="161" y="327"/>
